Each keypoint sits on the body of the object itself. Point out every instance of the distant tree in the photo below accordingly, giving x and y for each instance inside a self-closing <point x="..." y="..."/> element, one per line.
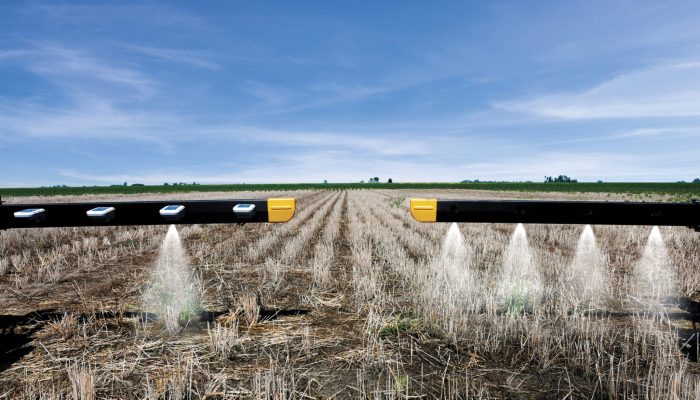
<point x="696" y="180"/>
<point x="599" y="181"/>
<point x="390" y="181"/>
<point x="559" y="179"/>
<point x="325" y="181"/>
<point x="137" y="184"/>
<point x="166" y="184"/>
<point x="125" y="184"/>
<point x="362" y="181"/>
<point x="376" y="179"/>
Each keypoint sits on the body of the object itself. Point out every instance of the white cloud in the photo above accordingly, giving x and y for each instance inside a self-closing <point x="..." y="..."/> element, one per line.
<point x="75" y="68"/>
<point x="268" y="94"/>
<point x="190" y="57"/>
<point x="581" y="165"/>
<point x="415" y="149"/>
<point x="89" y="96"/>
<point x="150" y="14"/>
<point x="636" y="134"/>
<point x="667" y="131"/>
<point x="78" y="70"/>
<point x="9" y="54"/>
<point x="343" y="167"/>
<point x="659" y="91"/>
<point x="89" y="117"/>
<point x="295" y="169"/>
<point x="365" y="143"/>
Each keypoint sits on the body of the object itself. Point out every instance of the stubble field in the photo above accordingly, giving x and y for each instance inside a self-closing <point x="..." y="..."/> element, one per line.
<point x="352" y="299"/>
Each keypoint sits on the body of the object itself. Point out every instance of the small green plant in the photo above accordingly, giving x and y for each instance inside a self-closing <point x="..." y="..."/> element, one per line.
<point x="188" y="313"/>
<point x="405" y="323"/>
<point x="398" y="202"/>
<point x="519" y="301"/>
<point x="402" y="382"/>
<point x="393" y="329"/>
<point x="515" y="303"/>
<point x="186" y="305"/>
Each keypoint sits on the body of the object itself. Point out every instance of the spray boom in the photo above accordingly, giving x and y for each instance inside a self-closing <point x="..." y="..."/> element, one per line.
<point x="557" y="212"/>
<point x="47" y="215"/>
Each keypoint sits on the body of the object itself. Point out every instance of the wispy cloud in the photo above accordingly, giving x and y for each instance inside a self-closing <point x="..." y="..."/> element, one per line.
<point x="149" y="13"/>
<point x="60" y="63"/>
<point x="661" y="91"/>
<point x="290" y="168"/>
<point x="9" y="54"/>
<point x="86" y="118"/>
<point x="342" y="167"/>
<point x="377" y="144"/>
<point x="583" y="165"/>
<point x="268" y="94"/>
<point x="329" y="93"/>
<point x="193" y="58"/>
<point x="250" y="93"/>
<point x="78" y="70"/>
<point x="98" y="119"/>
<point x="634" y="135"/>
<point x="92" y="92"/>
<point x="666" y="132"/>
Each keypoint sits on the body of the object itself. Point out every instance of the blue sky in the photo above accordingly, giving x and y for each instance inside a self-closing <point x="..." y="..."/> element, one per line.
<point x="225" y="92"/>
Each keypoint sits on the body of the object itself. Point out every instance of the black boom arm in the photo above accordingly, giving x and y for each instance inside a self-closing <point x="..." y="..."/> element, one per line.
<point x="557" y="212"/>
<point x="106" y="213"/>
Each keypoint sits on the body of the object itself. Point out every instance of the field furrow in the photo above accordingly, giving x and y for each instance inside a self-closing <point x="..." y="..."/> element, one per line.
<point x="350" y="299"/>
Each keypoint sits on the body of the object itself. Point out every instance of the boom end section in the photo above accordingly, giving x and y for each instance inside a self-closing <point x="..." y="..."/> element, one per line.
<point x="280" y="209"/>
<point x="424" y="210"/>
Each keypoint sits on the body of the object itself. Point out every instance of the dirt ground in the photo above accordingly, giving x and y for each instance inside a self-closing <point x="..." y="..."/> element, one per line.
<point x="339" y="303"/>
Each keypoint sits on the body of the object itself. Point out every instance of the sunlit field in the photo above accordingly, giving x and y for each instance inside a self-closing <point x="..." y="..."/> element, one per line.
<point x="350" y="299"/>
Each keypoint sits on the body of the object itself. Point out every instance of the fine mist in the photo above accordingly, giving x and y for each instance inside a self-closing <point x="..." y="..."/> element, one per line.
<point x="173" y="293"/>
<point x="450" y="291"/>
<point x="585" y="281"/>
<point x="520" y="286"/>
<point x="653" y="277"/>
<point x="454" y="269"/>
